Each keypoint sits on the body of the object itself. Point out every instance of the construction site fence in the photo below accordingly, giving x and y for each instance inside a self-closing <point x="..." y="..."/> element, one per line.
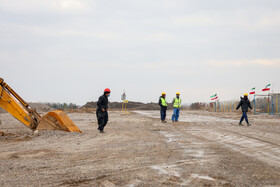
<point x="261" y="104"/>
<point x="267" y="104"/>
<point x="224" y="106"/>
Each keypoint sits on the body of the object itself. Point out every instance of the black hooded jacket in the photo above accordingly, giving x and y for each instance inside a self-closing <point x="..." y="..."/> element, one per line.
<point x="102" y="102"/>
<point x="244" y="104"/>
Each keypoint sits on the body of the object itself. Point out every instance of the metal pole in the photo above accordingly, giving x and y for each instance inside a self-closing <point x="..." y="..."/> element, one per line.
<point x="215" y="106"/>
<point x="125" y="106"/>
<point x="268" y="105"/>
<point x="254" y="104"/>
<point x="276" y="105"/>
<point x="272" y="105"/>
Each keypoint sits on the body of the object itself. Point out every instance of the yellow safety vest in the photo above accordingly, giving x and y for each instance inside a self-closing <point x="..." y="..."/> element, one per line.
<point x="163" y="102"/>
<point x="177" y="102"/>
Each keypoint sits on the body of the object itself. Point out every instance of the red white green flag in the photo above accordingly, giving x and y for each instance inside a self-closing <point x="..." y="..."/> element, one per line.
<point x="214" y="97"/>
<point x="267" y="88"/>
<point x="253" y="91"/>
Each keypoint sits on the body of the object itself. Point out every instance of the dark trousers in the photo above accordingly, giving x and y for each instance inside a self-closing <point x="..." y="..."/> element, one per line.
<point x="102" y="118"/>
<point x="162" y="114"/>
<point x="244" y="116"/>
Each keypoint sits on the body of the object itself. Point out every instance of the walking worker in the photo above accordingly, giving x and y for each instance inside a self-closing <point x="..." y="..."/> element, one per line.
<point x="163" y="107"/>
<point x="176" y="107"/>
<point x="244" y="104"/>
<point x="101" y="111"/>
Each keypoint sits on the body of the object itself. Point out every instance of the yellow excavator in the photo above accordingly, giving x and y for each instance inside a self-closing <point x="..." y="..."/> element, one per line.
<point x="15" y="105"/>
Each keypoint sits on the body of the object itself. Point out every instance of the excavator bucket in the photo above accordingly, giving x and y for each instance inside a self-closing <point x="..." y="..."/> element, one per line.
<point x="57" y="120"/>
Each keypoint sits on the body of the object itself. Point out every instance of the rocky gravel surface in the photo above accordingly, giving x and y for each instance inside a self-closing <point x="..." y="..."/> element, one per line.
<point x="203" y="149"/>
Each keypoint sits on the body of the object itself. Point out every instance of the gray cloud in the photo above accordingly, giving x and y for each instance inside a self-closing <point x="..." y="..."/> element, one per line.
<point x="70" y="50"/>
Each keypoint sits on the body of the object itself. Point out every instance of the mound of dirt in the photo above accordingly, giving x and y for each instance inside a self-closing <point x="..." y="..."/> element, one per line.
<point x="130" y="105"/>
<point x="40" y="107"/>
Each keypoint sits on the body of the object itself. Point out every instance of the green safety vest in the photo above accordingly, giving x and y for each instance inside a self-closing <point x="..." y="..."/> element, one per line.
<point x="177" y="102"/>
<point x="163" y="102"/>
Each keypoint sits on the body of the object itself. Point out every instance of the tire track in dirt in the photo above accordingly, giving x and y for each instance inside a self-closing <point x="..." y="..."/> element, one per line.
<point x="249" y="132"/>
<point x="139" y="151"/>
<point x="195" y="154"/>
<point x="222" y="135"/>
<point x="233" y="137"/>
<point x="263" y="150"/>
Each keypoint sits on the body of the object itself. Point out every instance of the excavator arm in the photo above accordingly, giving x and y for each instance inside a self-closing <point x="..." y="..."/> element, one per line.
<point x="16" y="106"/>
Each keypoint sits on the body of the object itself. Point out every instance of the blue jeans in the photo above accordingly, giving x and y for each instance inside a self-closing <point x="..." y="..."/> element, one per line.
<point x="175" y="115"/>
<point x="244" y="116"/>
<point x="162" y="114"/>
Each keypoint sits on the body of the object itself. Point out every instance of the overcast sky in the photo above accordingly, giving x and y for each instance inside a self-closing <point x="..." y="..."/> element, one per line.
<point x="70" y="50"/>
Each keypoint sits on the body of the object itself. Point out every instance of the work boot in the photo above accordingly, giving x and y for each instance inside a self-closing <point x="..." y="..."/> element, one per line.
<point x="240" y="124"/>
<point x="248" y="124"/>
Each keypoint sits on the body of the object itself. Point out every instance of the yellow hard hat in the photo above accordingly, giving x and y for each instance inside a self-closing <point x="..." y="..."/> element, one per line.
<point x="177" y="93"/>
<point x="245" y="94"/>
<point x="163" y="93"/>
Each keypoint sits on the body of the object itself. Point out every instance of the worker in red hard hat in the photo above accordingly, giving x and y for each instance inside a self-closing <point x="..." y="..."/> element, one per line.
<point x="101" y="111"/>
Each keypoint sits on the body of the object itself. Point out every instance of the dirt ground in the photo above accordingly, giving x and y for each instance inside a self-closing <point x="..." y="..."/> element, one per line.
<point x="203" y="149"/>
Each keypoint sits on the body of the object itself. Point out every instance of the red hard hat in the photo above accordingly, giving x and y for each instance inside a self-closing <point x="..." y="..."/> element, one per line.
<point x="107" y="90"/>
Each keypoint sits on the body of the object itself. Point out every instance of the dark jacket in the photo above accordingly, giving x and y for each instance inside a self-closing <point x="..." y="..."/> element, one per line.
<point x="102" y="102"/>
<point x="244" y="104"/>
<point x="160" y="104"/>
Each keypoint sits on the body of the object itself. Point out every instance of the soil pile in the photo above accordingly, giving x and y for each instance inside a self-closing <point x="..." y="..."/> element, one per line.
<point x="130" y="105"/>
<point x="40" y="107"/>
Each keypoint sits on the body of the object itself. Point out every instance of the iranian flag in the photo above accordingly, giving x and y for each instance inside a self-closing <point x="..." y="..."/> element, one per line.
<point x="253" y="91"/>
<point x="267" y="88"/>
<point x="214" y="97"/>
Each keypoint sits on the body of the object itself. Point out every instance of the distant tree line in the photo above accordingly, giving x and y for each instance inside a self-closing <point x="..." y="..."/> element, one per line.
<point x="63" y="105"/>
<point x="198" y="106"/>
